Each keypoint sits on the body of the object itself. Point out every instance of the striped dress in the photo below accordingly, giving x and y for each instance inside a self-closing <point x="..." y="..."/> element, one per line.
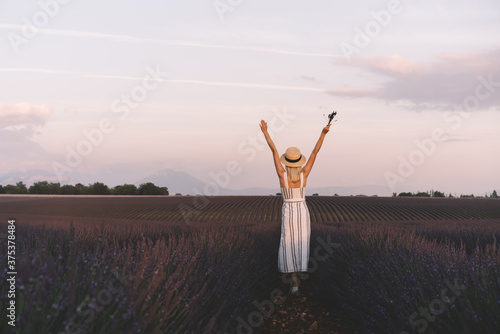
<point x="293" y="254"/>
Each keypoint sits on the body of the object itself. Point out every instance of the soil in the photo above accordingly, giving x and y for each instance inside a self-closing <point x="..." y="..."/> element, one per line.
<point x="301" y="314"/>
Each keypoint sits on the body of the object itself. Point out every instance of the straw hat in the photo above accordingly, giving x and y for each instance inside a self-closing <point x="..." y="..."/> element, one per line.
<point x="293" y="158"/>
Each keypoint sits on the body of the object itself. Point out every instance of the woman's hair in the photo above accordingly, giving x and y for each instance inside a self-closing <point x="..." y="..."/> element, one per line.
<point x="294" y="173"/>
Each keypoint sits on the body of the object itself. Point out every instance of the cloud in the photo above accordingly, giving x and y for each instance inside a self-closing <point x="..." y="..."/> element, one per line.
<point x="18" y="123"/>
<point x="352" y="92"/>
<point x="449" y="80"/>
<point x="134" y="39"/>
<point x="451" y="137"/>
<point x="19" y="152"/>
<point x="20" y="114"/>
<point x="307" y="78"/>
<point x="180" y="81"/>
<point x="393" y="65"/>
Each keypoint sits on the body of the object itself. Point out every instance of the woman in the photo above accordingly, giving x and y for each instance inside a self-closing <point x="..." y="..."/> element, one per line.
<point x="293" y="255"/>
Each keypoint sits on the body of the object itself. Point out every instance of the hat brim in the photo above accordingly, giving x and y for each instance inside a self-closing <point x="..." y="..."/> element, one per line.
<point x="299" y="163"/>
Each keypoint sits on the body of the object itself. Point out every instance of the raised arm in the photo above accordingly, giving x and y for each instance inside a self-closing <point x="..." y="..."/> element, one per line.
<point x="279" y="168"/>
<point x="308" y="166"/>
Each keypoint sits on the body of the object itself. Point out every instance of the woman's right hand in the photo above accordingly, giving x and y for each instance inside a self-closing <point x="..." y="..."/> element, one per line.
<point x="263" y="126"/>
<point x="326" y="129"/>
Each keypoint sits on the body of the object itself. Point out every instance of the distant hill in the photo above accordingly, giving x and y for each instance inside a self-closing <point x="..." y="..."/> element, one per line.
<point x="29" y="177"/>
<point x="175" y="181"/>
<point x="184" y="183"/>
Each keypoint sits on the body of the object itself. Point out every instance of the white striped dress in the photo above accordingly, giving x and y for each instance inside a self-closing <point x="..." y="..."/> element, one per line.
<point x="293" y="254"/>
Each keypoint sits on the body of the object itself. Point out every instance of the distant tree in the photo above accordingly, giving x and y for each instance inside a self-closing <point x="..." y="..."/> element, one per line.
<point x="54" y="188"/>
<point x="450" y="195"/>
<point x="422" y="194"/>
<point x="467" y="196"/>
<point x="39" y="188"/>
<point x="437" y="194"/>
<point x="494" y="194"/>
<point x="81" y="189"/>
<point x="19" y="188"/>
<point x="44" y="187"/>
<point x="150" y="189"/>
<point x="315" y="194"/>
<point x="10" y="189"/>
<point x="394" y="194"/>
<point x="68" y="189"/>
<point x="278" y="194"/>
<point x="126" y="189"/>
<point x="2" y="189"/>
<point x="99" y="188"/>
<point x="22" y="187"/>
<point x="178" y="194"/>
<point x="405" y="194"/>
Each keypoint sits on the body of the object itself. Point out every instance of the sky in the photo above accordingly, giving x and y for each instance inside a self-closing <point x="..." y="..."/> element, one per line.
<point x="113" y="91"/>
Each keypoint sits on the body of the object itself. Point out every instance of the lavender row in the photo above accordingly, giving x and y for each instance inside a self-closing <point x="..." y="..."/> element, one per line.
<point x="434" y="277"/>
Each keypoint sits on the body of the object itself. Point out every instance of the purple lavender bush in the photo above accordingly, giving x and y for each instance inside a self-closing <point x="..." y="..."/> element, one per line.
<point x="140" y="278"/>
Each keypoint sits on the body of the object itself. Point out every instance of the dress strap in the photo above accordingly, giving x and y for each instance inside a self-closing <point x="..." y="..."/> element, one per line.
<point x="286" y="180"/>
<point x="301" y="180"/>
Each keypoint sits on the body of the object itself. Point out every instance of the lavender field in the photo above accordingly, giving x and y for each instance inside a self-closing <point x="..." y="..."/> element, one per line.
<point x="101" y="274"/>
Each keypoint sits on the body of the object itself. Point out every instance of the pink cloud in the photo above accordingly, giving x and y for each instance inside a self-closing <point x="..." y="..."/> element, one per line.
<point x="392" y="65"/>
<point x="449" y="80"/>
<point x="23" y="113"/>
<point x="352" y="92"/>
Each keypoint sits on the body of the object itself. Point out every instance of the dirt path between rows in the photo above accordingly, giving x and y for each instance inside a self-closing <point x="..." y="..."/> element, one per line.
<point x="301" y="314"/>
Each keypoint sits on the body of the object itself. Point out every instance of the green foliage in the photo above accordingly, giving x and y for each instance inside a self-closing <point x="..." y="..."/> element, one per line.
<point x="99" y="188"/>
<point x="126" y="189"/>
<point x="19" y="188"/>
<point x="68" y="189"/>
<point x="80" y="189"/>
<point x="150" y="189"/>
<point x="437" y="194"/>
<point x="44" y="187"/>
<point x="432" y="193"/>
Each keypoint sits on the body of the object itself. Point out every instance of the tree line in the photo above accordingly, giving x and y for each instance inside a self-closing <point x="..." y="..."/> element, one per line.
<point x="149" y="188"/>
<point x="435" y="193"/>
<point x="97" y="188"/>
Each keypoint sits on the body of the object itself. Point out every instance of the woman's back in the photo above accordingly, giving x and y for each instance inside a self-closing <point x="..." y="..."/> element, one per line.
<point x="294" y="194"/>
